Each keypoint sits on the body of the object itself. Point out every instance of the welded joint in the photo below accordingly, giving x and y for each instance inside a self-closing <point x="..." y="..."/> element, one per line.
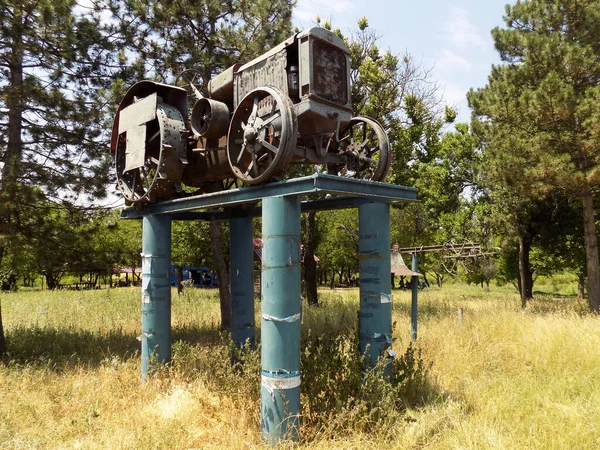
<point x="147" y="261"/>
<point x="381" y="337"/>
<point x="378" y="337"/>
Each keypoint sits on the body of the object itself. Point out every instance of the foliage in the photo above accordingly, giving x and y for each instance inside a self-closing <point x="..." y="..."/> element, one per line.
<point x="61" y="240"/>
<point x="55" y="64"/>
<point x="337" y="249"/>
<point x="535" y="113"/>
<point x="336" y="391"/>
<point x="58" y="61"/>
<point x="190" y="243"/>
<point x="402" y="96"/>
<point x="208" y="35"/>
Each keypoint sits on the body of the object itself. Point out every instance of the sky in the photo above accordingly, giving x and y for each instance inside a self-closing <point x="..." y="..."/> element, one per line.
<point x="451" y="37"/>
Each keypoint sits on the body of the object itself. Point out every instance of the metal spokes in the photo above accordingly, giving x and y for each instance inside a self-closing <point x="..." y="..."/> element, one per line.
<point x="189" y="79"/>
<point x="262" y="135"/>
<point x="365" y="148"/>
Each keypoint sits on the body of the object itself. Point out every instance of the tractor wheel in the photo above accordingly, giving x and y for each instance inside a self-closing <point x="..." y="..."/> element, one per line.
<point x="262" y="135"/>
<point x="366" y="148"/>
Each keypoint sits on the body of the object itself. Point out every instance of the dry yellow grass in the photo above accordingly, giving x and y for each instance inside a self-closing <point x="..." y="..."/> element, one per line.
<point x="501" y="379"/>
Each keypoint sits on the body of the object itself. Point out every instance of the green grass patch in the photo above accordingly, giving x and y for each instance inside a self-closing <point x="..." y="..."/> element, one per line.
<point x="499" y="378"/>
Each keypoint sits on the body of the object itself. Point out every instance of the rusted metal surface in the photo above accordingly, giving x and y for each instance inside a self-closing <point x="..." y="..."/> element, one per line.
<point x="267" y="72"/>
<point x="210" y="119"/>
<point x="291" y="104"/>
<point x="399" y="267"/>
<point x="151" y="160"/>
<point x="329" y="67"/>
<point x="221" y="86"/>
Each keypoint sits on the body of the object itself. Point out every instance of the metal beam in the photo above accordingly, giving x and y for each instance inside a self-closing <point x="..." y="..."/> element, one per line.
<point x="415" y="297"/>
<point x="437" y="248"/>
<point x="339" y="185"/>
<point x="297" y="186"/>
<point x="324" y="204"/>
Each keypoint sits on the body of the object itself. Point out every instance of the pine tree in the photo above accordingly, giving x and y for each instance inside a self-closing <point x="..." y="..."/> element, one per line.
<point x="208" y="36"/>
<point x="56" y="64"/>
<point x="539" y="108"/>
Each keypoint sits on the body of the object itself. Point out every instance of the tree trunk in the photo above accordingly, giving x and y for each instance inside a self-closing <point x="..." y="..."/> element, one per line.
<point x="591" y="250"/>
<point x="222" y="273"/>
<point x="525" y="274"/>
<point x="425" y="279"/>
<point x="310" y="265"/>
<point x="179" y="278"/>
<point x="52" y="280"/>
<point x="439" y="279"/>
<point x="332" y="285"/>
<point x="581" y="285"/>
<point x="12" y="166"/>
<point x="2" y="338"/>
<point x="518" y="285"/>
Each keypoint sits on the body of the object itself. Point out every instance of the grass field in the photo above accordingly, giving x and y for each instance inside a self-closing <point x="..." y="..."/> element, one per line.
<point x="502" y="379"/>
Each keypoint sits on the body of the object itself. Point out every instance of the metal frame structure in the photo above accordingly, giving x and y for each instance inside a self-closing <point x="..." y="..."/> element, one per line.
<point x="456" y="251"/>
<point x="281" y="296"/>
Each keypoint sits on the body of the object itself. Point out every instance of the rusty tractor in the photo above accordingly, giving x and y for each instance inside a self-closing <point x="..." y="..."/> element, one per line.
<point x="290" y="105"/>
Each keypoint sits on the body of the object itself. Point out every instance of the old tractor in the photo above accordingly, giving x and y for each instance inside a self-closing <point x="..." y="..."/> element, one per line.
<point x="289" y="106"/>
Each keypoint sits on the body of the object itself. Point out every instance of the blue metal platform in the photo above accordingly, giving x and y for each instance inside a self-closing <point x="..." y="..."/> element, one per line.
<point x="345" y="193"/>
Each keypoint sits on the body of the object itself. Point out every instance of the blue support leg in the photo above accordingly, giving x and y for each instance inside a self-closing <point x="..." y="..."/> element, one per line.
<point x="415" y="296"/>
<point x="242" y="281"/>
<point x="375" y="285"/>
<point x="280" y="324"/>
<point x="156" y="292"/>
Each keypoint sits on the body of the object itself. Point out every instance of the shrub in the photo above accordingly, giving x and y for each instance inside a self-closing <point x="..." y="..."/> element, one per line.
<point x="338" y="394"/>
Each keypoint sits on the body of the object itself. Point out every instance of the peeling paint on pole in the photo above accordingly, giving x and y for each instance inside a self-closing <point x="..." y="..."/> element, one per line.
<point x="375" y="285"/>
<point x="156" y="292"/>
<point x="280" y="325"/>
<point x="242" y="281"/>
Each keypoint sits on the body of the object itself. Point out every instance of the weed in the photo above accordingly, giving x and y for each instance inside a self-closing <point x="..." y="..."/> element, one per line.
<point x="499" y="378"/>
<point x="339" y="395"/>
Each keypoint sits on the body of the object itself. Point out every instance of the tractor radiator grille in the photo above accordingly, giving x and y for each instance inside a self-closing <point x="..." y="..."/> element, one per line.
<point x="330" y="73"/>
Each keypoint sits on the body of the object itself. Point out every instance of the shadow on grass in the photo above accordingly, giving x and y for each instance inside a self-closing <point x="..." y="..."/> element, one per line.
<point x="427" y="309"/>
<point x="545" y="303"/>
<point x="553" y="295"/>
<point x="63" y="347"/>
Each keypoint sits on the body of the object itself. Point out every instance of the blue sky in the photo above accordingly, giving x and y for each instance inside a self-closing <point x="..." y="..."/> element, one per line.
<point x="452" y="37"/>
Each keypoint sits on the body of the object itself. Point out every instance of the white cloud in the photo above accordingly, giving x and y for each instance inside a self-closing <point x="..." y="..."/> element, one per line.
<point x="308" y="10"/>
<point x="459" y="30"/>
<point x="450" y="61"/>
<point x="454" y="95"/>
